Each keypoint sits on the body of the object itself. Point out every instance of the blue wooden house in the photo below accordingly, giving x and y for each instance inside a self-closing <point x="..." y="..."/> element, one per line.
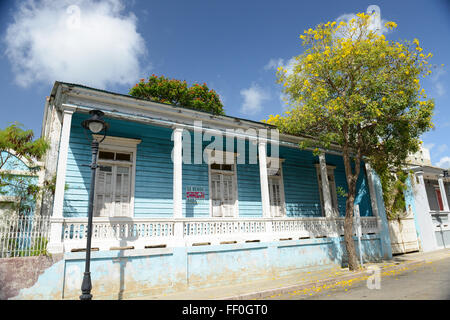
<point x="178" y="215"/>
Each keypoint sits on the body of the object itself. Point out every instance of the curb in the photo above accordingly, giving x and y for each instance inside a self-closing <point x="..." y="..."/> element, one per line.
<point x="312" y="284"/>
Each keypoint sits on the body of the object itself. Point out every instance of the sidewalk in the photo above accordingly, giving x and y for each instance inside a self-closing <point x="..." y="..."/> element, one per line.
<point x="311" y="280"/>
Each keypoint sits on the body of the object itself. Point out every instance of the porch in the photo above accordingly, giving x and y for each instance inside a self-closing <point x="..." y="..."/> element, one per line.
<point x="152" y="193"/>
<point x="147" y="233"/>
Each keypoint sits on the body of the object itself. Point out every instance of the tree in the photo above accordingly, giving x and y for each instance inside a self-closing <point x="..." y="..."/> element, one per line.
<point x="353" y="88"/>
<point x="176" y="92"/>
<point x="17" y="143"/>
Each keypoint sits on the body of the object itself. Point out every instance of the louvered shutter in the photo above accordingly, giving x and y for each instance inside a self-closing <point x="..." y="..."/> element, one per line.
<point x="104" y="191"/>
<point x="122" y="191"/>
<point x="228" y="195"/>
<point x="216" y="196"/>
<point x="275" y="197"/>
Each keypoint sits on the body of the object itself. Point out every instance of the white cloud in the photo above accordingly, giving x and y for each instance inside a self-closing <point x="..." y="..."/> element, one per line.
<point x="444" y="162"/>
<point x="274" y="64"/>
<point x="89" y="42"/>
<point x="437" y="82"/>
<point x="253" y="99"/>
<point x="376" y="22"/>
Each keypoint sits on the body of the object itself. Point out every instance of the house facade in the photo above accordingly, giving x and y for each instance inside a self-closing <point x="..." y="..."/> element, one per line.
<point x="19" y="173"/>
<point x="428" y="195"/>
<point x="186" y="199"/>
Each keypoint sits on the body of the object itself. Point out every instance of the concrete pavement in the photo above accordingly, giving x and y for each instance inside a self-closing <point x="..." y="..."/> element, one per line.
<point x="309" y="281"/>
<point x="427" y="281"/>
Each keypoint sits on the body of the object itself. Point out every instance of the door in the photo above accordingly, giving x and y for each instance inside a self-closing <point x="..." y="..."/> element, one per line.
<point x="112" y="191"/>
<point x="276" y="204"/>
<point x="439" y="199"/>
<point x="103" y="191"/>
<point x="222" y="195"/>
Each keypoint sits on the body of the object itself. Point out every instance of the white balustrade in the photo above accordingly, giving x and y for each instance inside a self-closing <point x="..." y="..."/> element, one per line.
<point x="145" y="232"/>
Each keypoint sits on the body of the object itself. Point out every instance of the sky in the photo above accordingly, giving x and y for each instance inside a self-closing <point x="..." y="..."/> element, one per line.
<point x="233" y="46"/>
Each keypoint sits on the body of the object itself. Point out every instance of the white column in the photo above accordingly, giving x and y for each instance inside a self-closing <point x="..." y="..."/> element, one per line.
<point x="264" y="182"/>
<point x="373" y="198"/>
<point x="178" y="187"/>
<point x="325" y="186"/>
<point x="424" y="224"/>
<point x="55" y="244"/>
<point x="443" y="193"/>
<point x="177" y="173"/>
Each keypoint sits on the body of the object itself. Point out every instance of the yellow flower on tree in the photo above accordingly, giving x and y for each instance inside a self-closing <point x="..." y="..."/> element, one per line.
<point x="345" y="90"/>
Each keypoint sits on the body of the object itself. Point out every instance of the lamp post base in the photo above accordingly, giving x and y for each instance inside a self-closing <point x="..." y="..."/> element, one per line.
<point x="86" y="287"/>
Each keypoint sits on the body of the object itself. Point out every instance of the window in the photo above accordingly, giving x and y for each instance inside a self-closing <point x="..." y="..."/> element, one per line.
<point x="223" y="185"/>
<point x="276" y="189"/>
<point x="7" y="205"/>
<point x="332" y="189"/>
<point x="114" y="186"/>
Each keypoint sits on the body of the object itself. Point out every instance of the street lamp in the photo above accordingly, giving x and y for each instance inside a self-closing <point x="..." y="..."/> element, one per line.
<point x="95" y="124"/>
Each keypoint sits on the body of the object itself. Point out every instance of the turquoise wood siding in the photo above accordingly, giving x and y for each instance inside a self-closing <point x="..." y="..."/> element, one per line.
<point x="249" y="190"/>
<point x="249" y="193"/>
<point x="362" y="191"/>
<point x="301" y="189"/>
<point x="195" y="175"/>
<point x="154" y="169"/>
<point x="154" y="176"/>
<point x="301" y="186"/>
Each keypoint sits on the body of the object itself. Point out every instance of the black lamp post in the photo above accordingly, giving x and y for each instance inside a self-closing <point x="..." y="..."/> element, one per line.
<point x="95" y="124"/>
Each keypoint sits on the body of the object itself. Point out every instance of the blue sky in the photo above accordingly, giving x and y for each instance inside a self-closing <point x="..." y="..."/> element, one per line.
<point x="233" y="46"/>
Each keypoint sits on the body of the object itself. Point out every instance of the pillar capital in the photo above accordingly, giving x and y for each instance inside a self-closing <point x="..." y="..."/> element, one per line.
<point x="419" y="173"/>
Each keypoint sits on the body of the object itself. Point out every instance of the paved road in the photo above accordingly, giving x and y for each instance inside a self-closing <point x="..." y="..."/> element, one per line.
<point x="428" y="281"/>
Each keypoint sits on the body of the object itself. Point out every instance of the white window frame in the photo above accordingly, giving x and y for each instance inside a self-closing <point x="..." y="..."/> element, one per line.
<point x="233" y="173"/>
<point x="125" y="145"/>
<point x="281" y="183"/>
<point x="332" y="185"/>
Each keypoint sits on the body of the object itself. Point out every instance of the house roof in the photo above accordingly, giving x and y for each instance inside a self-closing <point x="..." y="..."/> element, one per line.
<point x="146" y="104"/>
<point x="429" y="172"/>
<point x="57" y="83"/>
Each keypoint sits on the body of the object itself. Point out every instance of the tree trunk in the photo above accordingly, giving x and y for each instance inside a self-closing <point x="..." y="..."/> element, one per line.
<point x="348" y="231"/>
<point x="352" y="178"/>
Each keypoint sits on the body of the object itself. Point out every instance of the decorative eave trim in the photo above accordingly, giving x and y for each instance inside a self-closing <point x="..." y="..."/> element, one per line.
<point x="118" y="141"/>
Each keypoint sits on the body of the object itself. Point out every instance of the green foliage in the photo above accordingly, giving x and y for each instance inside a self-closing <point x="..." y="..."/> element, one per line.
<point x="16" y="142"/>
<point x="353" y="89"/>
<point x="176" y="92"/>
<point x="341" y="192"/>
<point x="39" y="248"/>
<point x="22" y="143"/>
<point x="394" y="187"/>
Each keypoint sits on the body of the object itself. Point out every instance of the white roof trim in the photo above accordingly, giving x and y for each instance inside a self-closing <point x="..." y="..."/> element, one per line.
<point x="117" y="141"/>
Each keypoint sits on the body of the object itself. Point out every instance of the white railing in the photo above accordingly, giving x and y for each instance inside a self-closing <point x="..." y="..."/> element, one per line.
<point x="22" y="236"/>
<point x="139" y="233"/>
